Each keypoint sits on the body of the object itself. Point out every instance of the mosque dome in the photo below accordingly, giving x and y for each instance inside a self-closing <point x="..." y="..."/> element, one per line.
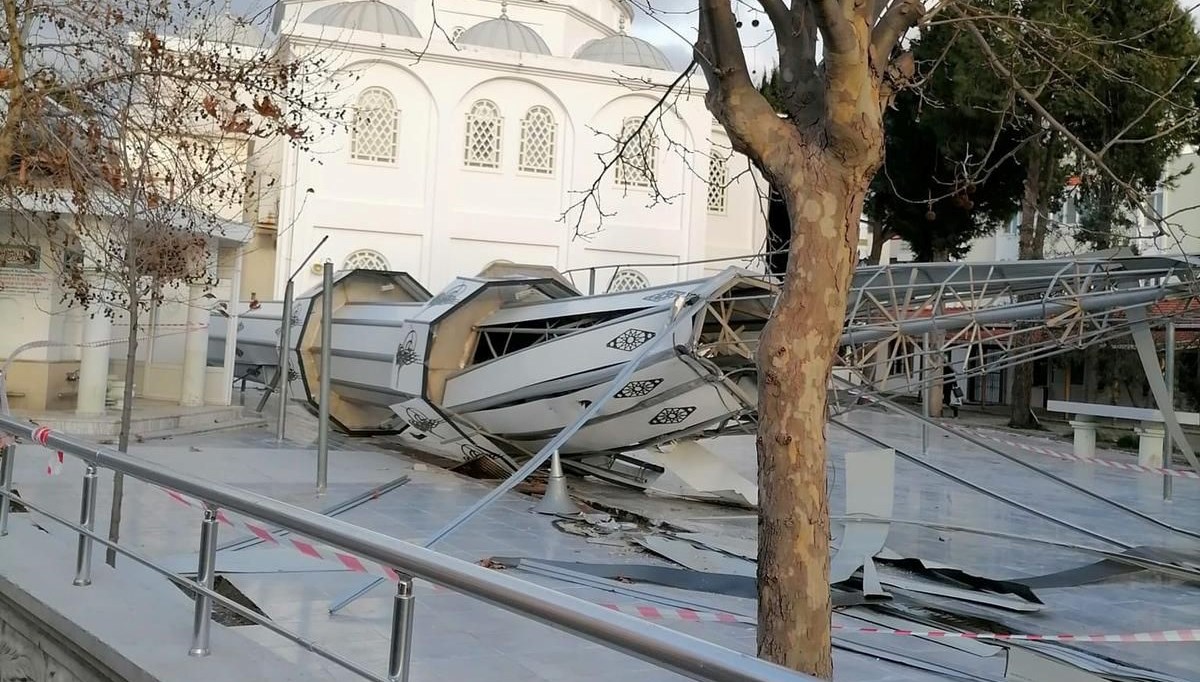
<point x="228" y="29"/>
<point x="504" y="34"/>
<point x="625" y="50"/>
<point x="365" y="15"/>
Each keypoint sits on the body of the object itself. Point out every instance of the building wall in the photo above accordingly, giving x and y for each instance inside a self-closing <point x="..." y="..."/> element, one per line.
<point x="430" y="215"/>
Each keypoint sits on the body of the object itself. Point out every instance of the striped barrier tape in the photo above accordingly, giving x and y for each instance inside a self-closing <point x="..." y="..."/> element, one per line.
<point x="316" y="550"/>
<point x="1071" y="457"/>
<point x="309" y="548"/>
<point x="651" y="612"/>
<point x="55" y="464"/>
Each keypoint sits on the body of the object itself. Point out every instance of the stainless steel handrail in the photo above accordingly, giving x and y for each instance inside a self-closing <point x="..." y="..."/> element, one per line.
<point x="654" y="644"/>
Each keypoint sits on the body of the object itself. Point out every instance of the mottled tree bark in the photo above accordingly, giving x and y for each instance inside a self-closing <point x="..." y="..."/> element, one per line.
<point x="821" y="159"/>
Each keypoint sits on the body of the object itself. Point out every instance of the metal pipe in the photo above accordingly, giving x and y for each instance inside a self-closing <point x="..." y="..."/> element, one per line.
<point x="403" y="609"/>
<point x="206" y="574"/>
<point x="87" y="519"/>
<point x="1168" y="443"/>
<point x="190" y="585"/>
<point x="326" y="365"/>
<point x="7" y="464"/>
<point x="654" y="644"/>
<point x="285" y="357"/>
<point x="591" y="281"/>
<point x="893" y="405"/>
<point x="1038" y="310"/>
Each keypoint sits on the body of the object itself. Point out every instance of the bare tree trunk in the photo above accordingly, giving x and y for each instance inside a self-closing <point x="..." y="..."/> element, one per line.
<point x="114" y="518"/>
<point x="796" y="354"/>
<point x="878" y="238"/>
<point x="1031" y="240"/>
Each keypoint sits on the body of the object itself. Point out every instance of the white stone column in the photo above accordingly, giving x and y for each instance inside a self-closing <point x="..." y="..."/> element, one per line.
<point x="93" y="362"/>
<point x="1150" y="444"/>
<point x="1085" y="436"/>
<point x="195" y="350"/>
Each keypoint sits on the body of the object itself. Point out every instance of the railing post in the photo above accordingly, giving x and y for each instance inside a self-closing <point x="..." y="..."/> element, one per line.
<point x="285" y="358"/>
<point x="205" y="575"/>
<point x="326" y="368"/>
<point x="403" y="608"/>
<point x="87" y="519"/>
<point x="6" y="476"/>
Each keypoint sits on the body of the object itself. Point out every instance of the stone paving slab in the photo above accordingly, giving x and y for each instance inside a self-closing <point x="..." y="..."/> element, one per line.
<point x="459" y="637"/>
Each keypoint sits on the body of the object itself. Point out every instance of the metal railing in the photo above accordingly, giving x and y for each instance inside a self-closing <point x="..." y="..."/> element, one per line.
<point x="654" y="644"/>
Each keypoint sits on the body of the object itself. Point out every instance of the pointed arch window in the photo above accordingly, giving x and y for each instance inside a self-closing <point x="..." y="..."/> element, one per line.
<point x="718" y="183"/>
<point x="538" y="138"/>
<point x="639" y="159"/>
<point x="484" y="125"/>
<point x="376" y="127"/>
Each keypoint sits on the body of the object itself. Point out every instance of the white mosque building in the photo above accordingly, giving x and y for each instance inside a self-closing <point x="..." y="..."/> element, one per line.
<point x="468" y="138"/>
<point x="470" y="135"/>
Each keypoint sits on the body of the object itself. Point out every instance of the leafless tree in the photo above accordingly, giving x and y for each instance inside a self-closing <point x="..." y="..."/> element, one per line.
<point x="126" y="146"/>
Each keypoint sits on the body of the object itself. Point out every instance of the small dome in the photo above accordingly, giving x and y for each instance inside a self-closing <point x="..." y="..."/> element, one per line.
<point x="504" y="34"/>
<point x="228" y="29"/>
<point x="626" y="50"/>
<point x="365" y="15"/>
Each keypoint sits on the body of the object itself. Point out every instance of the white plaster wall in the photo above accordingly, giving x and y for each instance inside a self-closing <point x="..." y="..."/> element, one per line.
<point x="430" y="215"/>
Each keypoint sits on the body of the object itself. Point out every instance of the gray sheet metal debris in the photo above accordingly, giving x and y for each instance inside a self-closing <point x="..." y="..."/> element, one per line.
<point x="744" y="587"/>
<point x="734" y="546"/>
<point x="680" y="578"/>
<point x="689" y="556"/>
<point x="1109" y="568"/>
<point x="1027" y="666"/>
<point x="870" y="482"/>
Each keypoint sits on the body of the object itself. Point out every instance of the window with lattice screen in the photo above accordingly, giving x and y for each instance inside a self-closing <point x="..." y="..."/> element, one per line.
<point x="366" y="259"/>
<point x="639" y="160"/>
<point x="538" y="133"/>
<point x="456" y="34"/>
<point x="628" y="280"/>
<point x="484" y="126"/>
<point x="376" y="127"/>
<point x="718" y="183"/>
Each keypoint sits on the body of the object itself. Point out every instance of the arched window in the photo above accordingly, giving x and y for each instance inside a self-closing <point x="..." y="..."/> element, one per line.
<point x="718" y="182"/>
<point x="376" y="127"/>
<point x="484" y="126"/>
<point x="628" y="280"/>
<point x="639" y="159"/>
<point x="538" y="133"/>
<point x="366" y="259"/>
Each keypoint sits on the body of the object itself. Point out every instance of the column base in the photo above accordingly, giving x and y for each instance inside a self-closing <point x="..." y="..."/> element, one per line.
<point x="1150" y="444"/>
<point x="1085" y="438"/>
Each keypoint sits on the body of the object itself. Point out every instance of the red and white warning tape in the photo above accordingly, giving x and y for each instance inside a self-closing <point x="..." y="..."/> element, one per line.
<point x="355" y="564"/>
<point x="309" y="548"/>
<point x="650" y="612"/>
<point x="1071" y="457"/>
<point x="54" y="466"/>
